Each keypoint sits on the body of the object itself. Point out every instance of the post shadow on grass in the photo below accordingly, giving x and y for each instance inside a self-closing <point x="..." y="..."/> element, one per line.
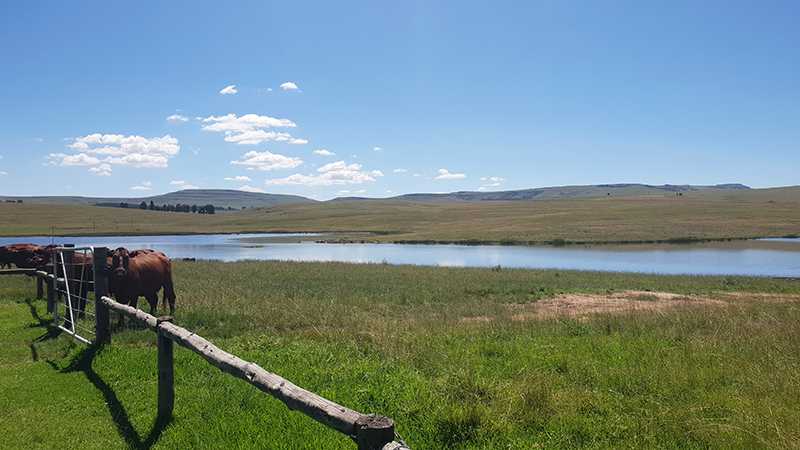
<point x="83" y="363"/>
<point x="50" y="330"/>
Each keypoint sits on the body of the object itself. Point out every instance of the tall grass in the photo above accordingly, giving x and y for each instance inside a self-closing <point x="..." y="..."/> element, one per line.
<point x="437" y="349"/>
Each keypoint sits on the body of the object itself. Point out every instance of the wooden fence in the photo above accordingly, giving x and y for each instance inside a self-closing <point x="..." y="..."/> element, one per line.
<point x="369" y="431"/>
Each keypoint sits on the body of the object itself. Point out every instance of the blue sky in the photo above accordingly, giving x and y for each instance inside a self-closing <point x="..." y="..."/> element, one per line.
<point x="380" y="98"/>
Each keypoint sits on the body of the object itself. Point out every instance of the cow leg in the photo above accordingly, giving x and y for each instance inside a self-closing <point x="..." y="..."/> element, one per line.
<point x="152" y="298"/>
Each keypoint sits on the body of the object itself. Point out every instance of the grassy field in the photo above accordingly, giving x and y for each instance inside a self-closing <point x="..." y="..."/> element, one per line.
<point x="460" y="358"/>
<point x="734" y="214"/>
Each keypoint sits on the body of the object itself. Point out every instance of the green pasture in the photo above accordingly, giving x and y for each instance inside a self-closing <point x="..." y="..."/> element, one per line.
<point x="736" y="214"/>
<point x="439" y="350"/>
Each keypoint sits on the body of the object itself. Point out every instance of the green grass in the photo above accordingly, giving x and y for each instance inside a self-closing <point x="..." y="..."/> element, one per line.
<point x="393" y="340"/>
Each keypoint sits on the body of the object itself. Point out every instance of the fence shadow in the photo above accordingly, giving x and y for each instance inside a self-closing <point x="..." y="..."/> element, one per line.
<point x="50" y="330"/>
<point x="83" y="363"/>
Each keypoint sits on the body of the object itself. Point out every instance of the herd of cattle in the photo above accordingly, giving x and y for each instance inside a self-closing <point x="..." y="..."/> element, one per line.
<point x="131" y="273"/>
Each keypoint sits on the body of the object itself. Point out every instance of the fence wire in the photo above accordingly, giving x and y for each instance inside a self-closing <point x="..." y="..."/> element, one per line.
<point x="75" y="311"/>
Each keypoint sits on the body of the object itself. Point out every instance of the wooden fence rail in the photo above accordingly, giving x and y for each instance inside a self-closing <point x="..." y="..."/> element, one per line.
<point x="370" y="432"/>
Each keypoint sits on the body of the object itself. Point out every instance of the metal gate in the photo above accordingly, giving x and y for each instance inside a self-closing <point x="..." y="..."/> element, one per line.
<point x="75" y="310"/>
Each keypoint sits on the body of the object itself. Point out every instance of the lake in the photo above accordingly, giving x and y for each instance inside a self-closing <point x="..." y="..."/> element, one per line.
<point x="763" y="257"/>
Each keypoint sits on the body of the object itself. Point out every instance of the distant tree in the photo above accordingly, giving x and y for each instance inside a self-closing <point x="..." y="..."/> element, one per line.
<point x="206" y="209"/>
<point x="152" y="206"/>
<point x="123" y="205"/>
<point x="194" y="208"/>
<point x="19" y="201"/>
<point x="143" y="205"/>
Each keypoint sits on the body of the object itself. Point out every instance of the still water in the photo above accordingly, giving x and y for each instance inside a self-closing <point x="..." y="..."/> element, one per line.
<point x="764" y="257"/>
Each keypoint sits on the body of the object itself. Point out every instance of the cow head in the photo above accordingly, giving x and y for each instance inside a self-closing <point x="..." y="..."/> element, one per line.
<point x="120" y="259"/>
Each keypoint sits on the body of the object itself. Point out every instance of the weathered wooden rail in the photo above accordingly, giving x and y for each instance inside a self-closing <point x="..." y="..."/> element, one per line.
<point x="370" y="432"/>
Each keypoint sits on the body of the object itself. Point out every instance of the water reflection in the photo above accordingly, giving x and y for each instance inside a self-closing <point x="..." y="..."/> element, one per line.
<point x="770" y="257"/>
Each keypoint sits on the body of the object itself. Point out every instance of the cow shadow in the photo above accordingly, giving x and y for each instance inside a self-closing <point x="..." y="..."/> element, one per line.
<point x="82" y="362"/>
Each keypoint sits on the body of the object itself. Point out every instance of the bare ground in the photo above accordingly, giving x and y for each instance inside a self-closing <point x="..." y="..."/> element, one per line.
<point x="583" y="306"/>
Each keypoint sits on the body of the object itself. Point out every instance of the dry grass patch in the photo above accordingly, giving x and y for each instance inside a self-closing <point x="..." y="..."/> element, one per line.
<point x="583" y="305"/>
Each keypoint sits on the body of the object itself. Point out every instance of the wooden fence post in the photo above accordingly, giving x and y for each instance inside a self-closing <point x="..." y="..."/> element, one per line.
<point x="39" y="288"/>
<point x="374" y="432"/>
<point x="166" y="372"/>
<point x="102" y="313"/>
<point x="51" y="294"/>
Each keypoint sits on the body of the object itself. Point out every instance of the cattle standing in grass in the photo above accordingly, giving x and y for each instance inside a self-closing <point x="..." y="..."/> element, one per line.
<point x="25" y="256"/>
<point x="141" y="275"/>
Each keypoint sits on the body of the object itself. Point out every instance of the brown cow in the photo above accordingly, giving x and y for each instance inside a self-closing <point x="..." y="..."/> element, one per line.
<point x="141" y="276"/>
<point x="25" y="256"/>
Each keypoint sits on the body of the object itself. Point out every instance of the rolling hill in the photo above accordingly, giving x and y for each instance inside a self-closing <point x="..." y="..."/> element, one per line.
<point x="220" y="198"/>
<point x="233" y="199"/>
<point x="600" y="190"/>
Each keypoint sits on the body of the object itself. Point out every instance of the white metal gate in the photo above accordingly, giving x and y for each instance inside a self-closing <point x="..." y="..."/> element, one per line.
<point x="75" y="308"/>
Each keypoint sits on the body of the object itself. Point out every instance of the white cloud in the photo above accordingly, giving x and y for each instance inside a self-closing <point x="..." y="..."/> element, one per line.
<point x="136" y="151"/>
<point x="399" y="170"/>
<point x="103" y="170"/>
<point x="255" y="137"/>
<point x="342" y="192"/>
<point x="268" y="161"/>
<point x="244" y="123"/>
<point x="324" y="153"/>
<point x="177" y="118"/>
<point x="249" y="128"/>
<point x="297" y="141"/>
<point x="360" y="191"/>
<point x="377" y="149"/>
<point x="338" y="173"/>
<point x="229" y="90"/>
<point x="247" y="188"/>
<point x="238" y="178"/>
<point x="290" y="86"/>
<point x="3" y="173"/>
<point x="139" y="160"/>
<point x="140" y="188"/>
<point x="495" y="182"/>
<point x="181" y="184"/>
<point x="81" y="159"/>
<point x="445" y="175"/>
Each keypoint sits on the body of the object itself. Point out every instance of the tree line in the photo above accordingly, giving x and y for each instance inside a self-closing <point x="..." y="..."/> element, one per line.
<point x="185" y="208"/>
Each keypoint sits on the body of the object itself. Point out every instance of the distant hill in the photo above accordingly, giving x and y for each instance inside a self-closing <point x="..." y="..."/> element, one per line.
<point x="600" y="190"/>
<point x="220" y="198"/>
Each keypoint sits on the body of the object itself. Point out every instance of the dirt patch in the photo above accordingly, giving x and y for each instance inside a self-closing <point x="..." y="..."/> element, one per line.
<point x="584" y="305"/>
